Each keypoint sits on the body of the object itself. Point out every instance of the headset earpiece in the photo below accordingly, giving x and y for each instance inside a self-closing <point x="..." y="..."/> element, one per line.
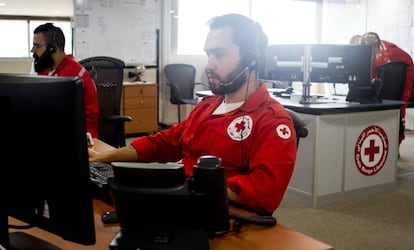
<point x="251" y="60"/>
<point x="253" y="54"/>
<point x="253" y="65"/>
<point x="51" y="48"/>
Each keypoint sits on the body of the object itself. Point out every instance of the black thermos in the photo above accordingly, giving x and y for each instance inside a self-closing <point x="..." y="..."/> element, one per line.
<point x="210" y="178"/>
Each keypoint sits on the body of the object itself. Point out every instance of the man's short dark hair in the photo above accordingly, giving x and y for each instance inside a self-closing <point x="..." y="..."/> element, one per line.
<point x="54" y="35"/>
<point x="376" y="37"/>
<point x="248" y="34"/>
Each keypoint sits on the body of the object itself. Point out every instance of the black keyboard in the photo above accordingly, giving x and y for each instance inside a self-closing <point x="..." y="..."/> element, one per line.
<point x="100" y="172"/>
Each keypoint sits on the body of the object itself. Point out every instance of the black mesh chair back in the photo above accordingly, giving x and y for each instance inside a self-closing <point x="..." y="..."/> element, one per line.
<point x="299" y="124"/>
<point x="181" y="79"/>
<point x="393" y="76"/>
<point x="108" y="73"/>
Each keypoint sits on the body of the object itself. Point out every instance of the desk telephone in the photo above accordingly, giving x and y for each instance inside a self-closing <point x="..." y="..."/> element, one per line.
<point x="156" y="203"/>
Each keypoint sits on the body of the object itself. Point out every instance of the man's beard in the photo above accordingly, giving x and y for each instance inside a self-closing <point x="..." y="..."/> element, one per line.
<point x="43" y="62"/>
<point x="231" y="83"/>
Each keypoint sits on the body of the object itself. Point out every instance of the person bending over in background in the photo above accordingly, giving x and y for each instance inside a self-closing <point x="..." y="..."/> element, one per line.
<point x="355" y="39"/>
<point x="241" y="124"/>
<point x="50" y="59"/>
<point x="385" y="52"/>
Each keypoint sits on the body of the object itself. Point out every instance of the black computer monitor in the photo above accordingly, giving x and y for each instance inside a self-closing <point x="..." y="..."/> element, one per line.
<point x="284" y="63"/>
<point x="333" y="63"/>
<point x="44" y="179"/>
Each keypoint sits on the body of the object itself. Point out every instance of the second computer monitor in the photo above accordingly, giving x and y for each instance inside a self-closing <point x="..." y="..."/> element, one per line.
<point x="319" y="63"/>
<point x="284" y="63"/>
<point x="331" y="63"/>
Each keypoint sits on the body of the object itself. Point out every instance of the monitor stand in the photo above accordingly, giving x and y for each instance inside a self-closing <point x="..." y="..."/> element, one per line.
<point x="24" y="241"/>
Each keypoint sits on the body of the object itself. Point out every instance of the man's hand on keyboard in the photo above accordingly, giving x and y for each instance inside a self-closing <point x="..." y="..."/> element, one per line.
<point x="126" y="153"/>
<point x="92" y="154"/>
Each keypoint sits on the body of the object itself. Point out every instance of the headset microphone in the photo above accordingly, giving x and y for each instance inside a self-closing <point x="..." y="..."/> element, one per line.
<point x="233" y="85"/>
<point x="235" y="78"/>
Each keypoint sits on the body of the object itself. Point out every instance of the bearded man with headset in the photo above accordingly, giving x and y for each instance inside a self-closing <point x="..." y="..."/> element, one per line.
<point x="50" y="59"/>
<point x="241" y="124"/>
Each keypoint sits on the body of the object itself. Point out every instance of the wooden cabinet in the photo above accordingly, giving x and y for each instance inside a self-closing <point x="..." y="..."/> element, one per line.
<point x="140" y="101"/>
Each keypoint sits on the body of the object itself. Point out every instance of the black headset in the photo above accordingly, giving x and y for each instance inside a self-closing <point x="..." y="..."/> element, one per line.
<point x="251" y="60"/>
<point x="52" y="45"/>
<point x="252" y="56"/>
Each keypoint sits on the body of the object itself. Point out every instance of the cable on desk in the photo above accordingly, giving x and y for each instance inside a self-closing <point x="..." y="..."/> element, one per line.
<point x="262" y="220"/>
<point x="20" y="226"/>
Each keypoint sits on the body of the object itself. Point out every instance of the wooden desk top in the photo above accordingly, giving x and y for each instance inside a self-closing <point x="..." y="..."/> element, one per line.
<point x="329" y="106"/>
<point x="250" y="237"/>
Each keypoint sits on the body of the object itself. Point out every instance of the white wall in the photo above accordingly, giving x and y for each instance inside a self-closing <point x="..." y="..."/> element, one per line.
<point x="393" y="21"/>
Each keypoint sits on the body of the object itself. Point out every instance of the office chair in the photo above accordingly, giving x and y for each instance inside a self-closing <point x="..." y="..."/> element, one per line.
<point x="393" y="76"/>
<point x="299" y="124"/>
<point x="181" y="80"/>
<point x="108" y="73"/>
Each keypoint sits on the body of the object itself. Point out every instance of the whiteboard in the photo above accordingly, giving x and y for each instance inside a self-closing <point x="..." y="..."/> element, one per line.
<point x="125" y="29"/>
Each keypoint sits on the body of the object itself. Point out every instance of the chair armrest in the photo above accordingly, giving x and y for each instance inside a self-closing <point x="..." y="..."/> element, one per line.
<point x="299" y="123"/>
<point x="302" y="132"/>
<point x="190" y="101"/>
<point x="117" y="118"/>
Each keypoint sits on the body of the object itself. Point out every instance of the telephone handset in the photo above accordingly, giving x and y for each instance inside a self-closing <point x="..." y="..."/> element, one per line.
<point x="213" y="181"/>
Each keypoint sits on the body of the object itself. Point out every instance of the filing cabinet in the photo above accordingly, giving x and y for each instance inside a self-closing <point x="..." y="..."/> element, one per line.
<point x="140" y="101"/>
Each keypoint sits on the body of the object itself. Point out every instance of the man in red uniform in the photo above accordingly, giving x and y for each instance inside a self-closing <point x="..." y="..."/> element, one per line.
<point x="384" y="52"/>
<point x="50" y="59"/>
<point x="241" y="124"/>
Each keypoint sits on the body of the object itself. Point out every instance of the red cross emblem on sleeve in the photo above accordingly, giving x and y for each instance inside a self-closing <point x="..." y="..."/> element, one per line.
<point x="283" y="131"/>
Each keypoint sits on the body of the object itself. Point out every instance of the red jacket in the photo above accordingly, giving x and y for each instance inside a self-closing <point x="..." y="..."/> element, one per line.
<point x="258" y="166"/>
<point x="69" y="67"/>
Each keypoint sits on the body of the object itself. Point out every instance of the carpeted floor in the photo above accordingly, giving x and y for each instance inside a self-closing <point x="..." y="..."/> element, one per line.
<point x="378" y="221"/>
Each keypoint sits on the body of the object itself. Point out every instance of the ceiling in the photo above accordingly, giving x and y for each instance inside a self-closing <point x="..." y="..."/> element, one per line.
<point x="38" y="7"/>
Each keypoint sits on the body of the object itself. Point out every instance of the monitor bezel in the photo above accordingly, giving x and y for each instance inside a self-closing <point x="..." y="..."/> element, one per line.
<point x="44" y="121"/>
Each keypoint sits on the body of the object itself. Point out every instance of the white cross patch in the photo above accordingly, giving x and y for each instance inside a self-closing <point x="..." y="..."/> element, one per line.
<point x="283" y="131"/>
<point x="240" y="128"/>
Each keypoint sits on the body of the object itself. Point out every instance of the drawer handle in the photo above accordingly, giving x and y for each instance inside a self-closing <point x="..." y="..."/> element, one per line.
<point x="141" y="91"/>
<point x="141" y="102"/>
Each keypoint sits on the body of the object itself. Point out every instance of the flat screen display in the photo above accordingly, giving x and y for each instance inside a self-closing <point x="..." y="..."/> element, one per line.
<point x="44" y="178"/>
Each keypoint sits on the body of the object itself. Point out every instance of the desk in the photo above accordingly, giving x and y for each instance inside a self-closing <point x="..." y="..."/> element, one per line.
<point x="250" y="237"/>
<point x="351" y="150"/>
